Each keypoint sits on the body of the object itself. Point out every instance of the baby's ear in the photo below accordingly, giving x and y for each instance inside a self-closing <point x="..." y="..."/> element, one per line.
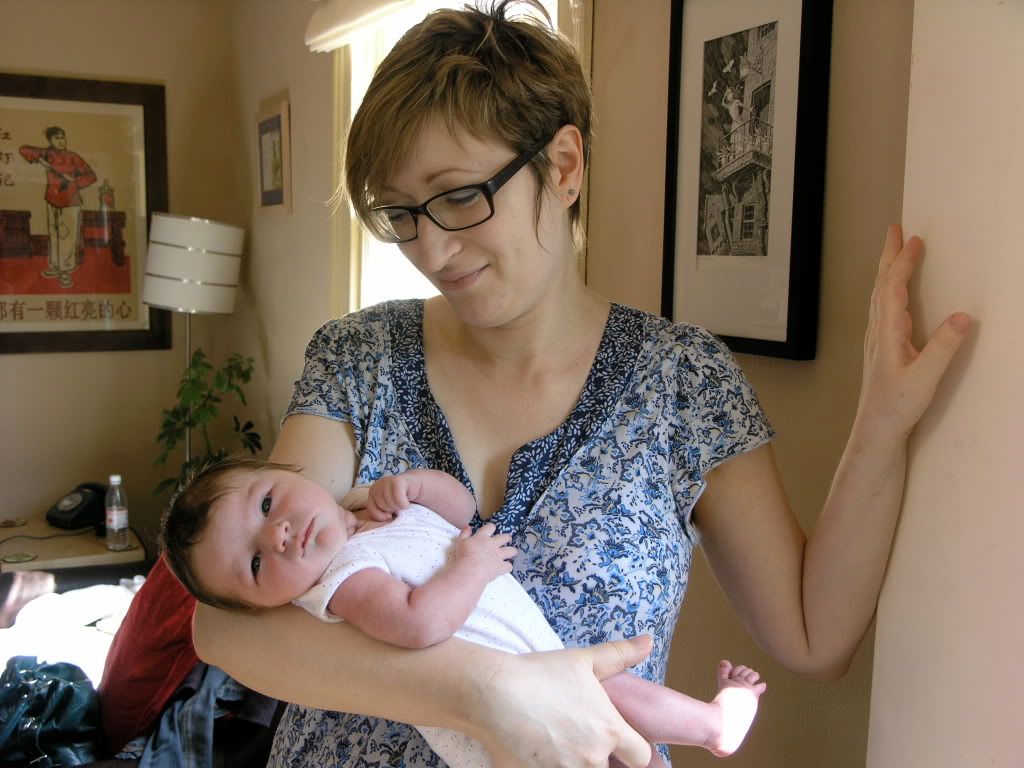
<point x="356" y="498"/>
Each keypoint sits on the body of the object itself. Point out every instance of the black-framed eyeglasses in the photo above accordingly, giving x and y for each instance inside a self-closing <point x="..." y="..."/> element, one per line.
<point x="455" y="209"/>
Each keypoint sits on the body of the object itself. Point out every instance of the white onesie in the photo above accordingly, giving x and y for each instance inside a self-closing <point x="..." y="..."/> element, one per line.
<point x="414" y="547"/>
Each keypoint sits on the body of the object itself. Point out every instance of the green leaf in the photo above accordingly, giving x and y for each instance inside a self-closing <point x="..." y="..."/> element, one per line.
<point x="199" y="394"/>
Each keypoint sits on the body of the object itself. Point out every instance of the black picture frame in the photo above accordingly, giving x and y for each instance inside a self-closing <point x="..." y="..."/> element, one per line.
<point x="97" y="93"/>
<point x="728" y="290"/>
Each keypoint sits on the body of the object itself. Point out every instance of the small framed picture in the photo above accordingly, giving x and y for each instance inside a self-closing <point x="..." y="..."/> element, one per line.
<point x="745" y="176"/>
<point x="273" y="150"/>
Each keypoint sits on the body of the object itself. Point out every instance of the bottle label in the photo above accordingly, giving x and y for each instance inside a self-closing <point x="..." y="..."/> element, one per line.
<point x="117" y="518"/>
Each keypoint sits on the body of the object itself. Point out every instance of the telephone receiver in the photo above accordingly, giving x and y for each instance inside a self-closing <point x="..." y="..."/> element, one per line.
<point x="81" y="507"/>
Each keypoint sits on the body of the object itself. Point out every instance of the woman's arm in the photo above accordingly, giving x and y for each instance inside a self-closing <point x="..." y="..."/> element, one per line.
<point x="544" y="709"/>
<point x="809" y="601"/>
<point x="536" y="709"/>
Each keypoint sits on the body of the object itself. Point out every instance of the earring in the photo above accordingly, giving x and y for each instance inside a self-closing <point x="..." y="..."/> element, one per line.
<point x="572" y="192"/>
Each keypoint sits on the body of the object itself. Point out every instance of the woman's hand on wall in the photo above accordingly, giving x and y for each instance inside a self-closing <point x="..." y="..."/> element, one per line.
<point x="900" y="380"/>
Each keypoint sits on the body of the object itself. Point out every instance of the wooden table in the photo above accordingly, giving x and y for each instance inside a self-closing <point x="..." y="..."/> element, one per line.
<point x="62" y="551"/>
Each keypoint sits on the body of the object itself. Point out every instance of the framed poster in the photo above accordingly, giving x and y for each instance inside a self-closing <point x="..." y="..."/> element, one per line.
<point x="745" y="177"/>
<point x="83" y="163"/>
<point x="273" y="151"/>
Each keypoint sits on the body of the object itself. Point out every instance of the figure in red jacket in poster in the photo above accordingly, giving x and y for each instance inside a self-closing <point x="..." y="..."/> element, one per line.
<point x="66" y="174"/>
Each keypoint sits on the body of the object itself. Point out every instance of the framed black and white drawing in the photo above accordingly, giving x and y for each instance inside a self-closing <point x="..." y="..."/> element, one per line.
<point x="745" y="176"/>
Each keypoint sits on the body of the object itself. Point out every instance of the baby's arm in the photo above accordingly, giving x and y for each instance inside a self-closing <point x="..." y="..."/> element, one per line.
<point x="388" y="609"/>
<point x="430" y="488"/>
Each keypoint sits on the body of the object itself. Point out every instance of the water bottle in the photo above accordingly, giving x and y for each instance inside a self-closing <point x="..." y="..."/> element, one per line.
<point x="117" y="516"/>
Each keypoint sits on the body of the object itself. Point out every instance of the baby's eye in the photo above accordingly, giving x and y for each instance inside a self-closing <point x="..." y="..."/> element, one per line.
<point x="255" y="564"/>
<point x="265" y="505"/>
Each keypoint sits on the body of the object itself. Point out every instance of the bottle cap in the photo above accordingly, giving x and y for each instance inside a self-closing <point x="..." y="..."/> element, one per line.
<point x="115" y="479"/>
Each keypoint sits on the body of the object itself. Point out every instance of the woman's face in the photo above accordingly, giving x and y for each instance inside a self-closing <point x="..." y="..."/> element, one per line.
<point x="497" y="271"/>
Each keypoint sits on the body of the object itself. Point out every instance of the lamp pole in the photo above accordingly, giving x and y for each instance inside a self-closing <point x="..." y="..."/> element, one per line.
<point x="188" y="362"/>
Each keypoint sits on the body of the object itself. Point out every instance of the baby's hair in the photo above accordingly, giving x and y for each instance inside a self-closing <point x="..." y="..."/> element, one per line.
<point x="188" y="514"/>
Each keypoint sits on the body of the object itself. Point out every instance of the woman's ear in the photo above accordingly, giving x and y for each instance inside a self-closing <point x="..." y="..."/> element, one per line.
<point x="565" y="151"/>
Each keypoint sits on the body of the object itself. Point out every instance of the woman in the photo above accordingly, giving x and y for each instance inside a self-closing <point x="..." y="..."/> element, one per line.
<point x="606" y="440"/>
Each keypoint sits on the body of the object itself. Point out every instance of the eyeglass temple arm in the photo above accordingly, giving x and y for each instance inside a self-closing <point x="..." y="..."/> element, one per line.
<point x="498" y="181"/>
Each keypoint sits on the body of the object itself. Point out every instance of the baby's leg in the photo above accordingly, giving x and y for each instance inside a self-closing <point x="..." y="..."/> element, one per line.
<point x="656" y="761"/>
<point x="664" y="716"/>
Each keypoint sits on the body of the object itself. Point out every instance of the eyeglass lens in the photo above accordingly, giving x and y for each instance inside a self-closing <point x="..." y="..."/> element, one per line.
<point x="455" y="209"/>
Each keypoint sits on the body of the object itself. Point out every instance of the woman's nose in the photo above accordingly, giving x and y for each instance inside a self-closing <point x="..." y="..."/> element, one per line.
<point x="433" y="246"/>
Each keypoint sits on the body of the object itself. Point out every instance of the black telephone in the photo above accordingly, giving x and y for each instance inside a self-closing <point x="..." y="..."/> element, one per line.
<point x="81" y="507"/>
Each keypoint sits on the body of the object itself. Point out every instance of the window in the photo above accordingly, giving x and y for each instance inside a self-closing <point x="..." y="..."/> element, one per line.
<point x="379" y="271"/>
<point x="760" y="99"/>
<point x="747" y="227"/>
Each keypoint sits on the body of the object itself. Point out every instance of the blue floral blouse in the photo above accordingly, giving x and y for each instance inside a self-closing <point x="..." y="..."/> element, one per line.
<point x="600" y="509"/>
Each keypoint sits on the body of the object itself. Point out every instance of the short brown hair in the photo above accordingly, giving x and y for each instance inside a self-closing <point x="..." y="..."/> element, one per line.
<point x="509" y="79"/>
<point x="188" y="514"/>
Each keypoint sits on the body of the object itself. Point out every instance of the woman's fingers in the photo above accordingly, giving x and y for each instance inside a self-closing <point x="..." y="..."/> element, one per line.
<point x="548" y="709"/>
<point x="937" y="354"/>
<point x="614" y="656"/>
<point x="890" y="250"/>
<point x="609" y="659"/>
<point x="900" y="381"/>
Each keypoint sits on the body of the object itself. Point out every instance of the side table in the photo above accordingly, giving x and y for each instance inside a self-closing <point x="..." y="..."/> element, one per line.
<point x="61" y="551"/>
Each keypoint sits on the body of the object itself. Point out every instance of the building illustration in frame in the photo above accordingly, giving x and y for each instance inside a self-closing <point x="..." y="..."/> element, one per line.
<point x="736" y="143"/>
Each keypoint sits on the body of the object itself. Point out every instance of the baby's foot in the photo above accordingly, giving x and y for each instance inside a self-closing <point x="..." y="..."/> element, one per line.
<point x="738" y="691"/>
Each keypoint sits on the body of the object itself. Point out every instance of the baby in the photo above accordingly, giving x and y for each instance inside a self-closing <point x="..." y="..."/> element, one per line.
<point x="247" y="535"/>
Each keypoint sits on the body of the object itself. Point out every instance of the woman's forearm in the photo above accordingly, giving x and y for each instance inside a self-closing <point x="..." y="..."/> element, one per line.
<point x="541" y="709"/>
<point x="289" y="655"/>
<point x="846" y="555"/>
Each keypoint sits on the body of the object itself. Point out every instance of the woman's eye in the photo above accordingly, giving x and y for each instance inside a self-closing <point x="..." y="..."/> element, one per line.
<point x="398" y="218"/>
<point x="255" y="564"/>
<point x="265" y="505"/>
<point x="463" y="197"/>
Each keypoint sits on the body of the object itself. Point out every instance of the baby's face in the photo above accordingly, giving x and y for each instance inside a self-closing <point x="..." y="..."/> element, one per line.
<point x="270" y="537"/>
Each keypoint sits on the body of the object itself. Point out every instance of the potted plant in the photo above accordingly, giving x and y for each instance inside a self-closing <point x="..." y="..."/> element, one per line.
<point x="201" y="393"/>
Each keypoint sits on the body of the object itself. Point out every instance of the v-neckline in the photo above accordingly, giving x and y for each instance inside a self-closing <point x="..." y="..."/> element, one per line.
<point x="535" y="464"/>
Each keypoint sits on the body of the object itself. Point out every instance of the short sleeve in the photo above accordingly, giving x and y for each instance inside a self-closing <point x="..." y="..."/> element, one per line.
<point x="353" y="558"/>
<point x="342" y="364"/>
<point x="717" y="403"/>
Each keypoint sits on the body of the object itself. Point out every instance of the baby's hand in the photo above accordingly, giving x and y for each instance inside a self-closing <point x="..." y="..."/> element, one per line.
<point x="489" y="552"/>
<point x="389" y="495"/>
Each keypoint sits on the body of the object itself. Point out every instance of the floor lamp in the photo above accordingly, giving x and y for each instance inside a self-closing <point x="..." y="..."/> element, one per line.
<point x="192" y="266"/>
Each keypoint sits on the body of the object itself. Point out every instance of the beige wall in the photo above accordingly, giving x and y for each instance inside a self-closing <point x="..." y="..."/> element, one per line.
<point x="811" y="403"/>
<point x="948" y="674"/>
<point x="69" y="417"/>
<point x="76" y="416"/>
<point x="288" y="273"/>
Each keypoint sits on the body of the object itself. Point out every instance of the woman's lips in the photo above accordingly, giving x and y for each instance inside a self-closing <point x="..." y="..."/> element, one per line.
<point x="460" y="282"/>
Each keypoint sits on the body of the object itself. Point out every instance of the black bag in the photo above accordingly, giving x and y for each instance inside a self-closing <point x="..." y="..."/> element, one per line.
<point x="49" y="715"/>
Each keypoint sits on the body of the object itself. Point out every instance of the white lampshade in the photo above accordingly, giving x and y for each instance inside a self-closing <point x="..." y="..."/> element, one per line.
<point x="192" y="264"/>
